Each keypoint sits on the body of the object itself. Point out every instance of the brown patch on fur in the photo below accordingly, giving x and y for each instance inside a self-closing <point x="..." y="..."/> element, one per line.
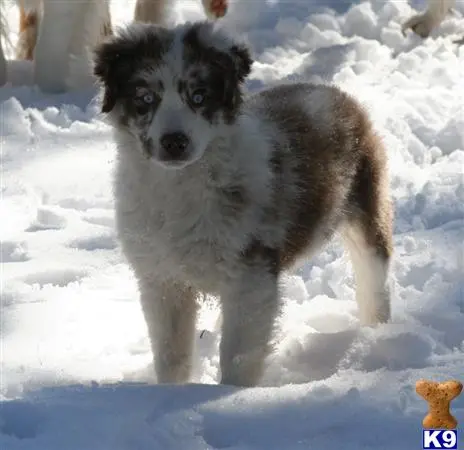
<point x="118" y="60"/>
<point x="338" y="167"/>
<point x="28" y="30"/>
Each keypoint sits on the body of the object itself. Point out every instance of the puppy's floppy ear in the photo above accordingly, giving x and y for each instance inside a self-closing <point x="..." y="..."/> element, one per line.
<point x="229" y="59"/>
<point x="236" y="61"/>
<point x="117" y="59"/>
<point x="235" y="65"/>
<point x="214" y="46"/>
<point x="242" y="60"/>
<point x="109" y="70"/>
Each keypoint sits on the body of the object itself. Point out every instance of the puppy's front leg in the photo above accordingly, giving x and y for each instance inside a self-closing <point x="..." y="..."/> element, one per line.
<point x="249" y="305"/>
<point x="170" y="311"/>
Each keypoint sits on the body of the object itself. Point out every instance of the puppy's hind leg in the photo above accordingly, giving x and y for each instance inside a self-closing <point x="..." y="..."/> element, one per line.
<point x="370" y="265"/>
<point x="170" y="313"/>
<point x="249" y="306"/>
<point x="368" y="238"/>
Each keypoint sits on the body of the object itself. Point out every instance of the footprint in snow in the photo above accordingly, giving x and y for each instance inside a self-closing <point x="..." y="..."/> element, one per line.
<point x="52" y="277"/>
<point x="47" y="219"/>
<point x="93" y="243"/>
<point x="12" y="251"/>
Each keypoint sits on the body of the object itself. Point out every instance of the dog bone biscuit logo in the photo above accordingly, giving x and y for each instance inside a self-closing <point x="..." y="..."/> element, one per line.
<point x="439" y="396"/>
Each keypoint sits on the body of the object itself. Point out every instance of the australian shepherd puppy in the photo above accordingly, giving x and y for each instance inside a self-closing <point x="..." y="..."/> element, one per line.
<point x="220" y="193"/>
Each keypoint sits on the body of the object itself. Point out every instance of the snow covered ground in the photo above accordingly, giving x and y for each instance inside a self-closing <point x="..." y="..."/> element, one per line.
<point x="75" y="362"/>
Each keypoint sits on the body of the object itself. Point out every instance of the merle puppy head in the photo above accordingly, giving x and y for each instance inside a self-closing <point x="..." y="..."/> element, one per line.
<point x="173" y="89"/>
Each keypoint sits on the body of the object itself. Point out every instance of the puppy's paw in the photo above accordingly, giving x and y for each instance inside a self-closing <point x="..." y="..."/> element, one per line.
<point x="215" y="9"/>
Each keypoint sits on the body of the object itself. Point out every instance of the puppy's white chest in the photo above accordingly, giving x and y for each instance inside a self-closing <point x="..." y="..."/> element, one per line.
<point x="203" y="242"/>
<point x="192" y="239"/>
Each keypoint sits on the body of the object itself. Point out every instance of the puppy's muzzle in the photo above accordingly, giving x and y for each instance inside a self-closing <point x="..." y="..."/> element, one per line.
<point x="174" y="145"/>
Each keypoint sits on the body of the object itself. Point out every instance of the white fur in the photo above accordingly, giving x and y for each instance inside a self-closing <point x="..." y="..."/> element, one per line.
<point x="189" y="215"/>
<point x="370" y="273"/>
<point x="165" y="220"/>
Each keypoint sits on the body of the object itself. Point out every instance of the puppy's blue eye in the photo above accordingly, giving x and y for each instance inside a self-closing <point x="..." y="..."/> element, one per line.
<point x="198" y="97"/>
<point x="148" y="98"/>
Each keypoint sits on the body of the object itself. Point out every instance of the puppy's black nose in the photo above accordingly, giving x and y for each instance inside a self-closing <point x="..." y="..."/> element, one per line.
<point x="174" y="144"/>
